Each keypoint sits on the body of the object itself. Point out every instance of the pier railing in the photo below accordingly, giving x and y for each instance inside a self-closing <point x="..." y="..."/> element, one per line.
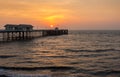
<point x="7" y="35"/>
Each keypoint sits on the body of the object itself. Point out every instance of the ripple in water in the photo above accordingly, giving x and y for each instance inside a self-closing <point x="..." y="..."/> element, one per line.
<point x="79" y="54"/>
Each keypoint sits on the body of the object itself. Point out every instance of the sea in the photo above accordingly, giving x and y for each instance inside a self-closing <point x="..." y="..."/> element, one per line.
<point x="81" y="53"/>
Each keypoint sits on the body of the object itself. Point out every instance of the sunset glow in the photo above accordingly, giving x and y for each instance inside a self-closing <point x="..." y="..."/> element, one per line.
<point x="51" y="26"/>
<point x="54" y="19"/>
<point x="77" y="14"/>
<point x="59" y="38"/>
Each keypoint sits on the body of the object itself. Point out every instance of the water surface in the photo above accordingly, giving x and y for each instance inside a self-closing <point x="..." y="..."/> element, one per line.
<point x="79" y="54"/>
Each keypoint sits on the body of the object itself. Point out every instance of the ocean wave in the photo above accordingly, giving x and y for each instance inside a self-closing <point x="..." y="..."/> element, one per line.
<point x="107" y="72"/>
<point x="115" y="57"/>
<point x="93" y="55"/>
<point x="4" y="73"/>
<point x="53" y="56"/>
<point x="9" y="74"/>
<point x="7" y="56"/>
<point x="38" y="68"/>
<point x="28" y="62"/>
<point x="35" y="75"/>
<point x="98" y="50"/>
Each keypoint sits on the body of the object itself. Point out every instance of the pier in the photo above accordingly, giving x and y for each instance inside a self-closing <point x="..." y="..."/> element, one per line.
<point x="11" y="34"/>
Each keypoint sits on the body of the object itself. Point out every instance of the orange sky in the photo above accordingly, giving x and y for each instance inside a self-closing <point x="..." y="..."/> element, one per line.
<point x="72" y="14"/>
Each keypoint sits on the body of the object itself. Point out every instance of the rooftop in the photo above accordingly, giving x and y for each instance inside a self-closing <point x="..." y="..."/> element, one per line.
<point x="15" y="25"/>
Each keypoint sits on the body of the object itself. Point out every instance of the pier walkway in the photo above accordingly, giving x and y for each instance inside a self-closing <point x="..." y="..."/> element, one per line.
<point x="11" y="35"/>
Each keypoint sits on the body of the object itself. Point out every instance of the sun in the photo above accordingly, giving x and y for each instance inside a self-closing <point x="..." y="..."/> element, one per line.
<point x="51" y="26"/>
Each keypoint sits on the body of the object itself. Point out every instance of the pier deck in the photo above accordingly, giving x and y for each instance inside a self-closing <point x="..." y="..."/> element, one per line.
<point x="7" y="35"/>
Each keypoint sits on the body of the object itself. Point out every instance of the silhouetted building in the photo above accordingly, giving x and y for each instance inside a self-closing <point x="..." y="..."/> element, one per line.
<point x="10" y="26"/>
<point x="20" y="27"/>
